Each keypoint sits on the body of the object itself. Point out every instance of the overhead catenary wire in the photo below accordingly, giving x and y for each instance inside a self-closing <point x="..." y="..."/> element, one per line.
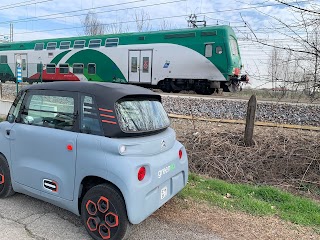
<point x="50" y="16"/>
<point x="152" y="19"/>
<point x="22" y="4"/>
<point x="53" y="16"/>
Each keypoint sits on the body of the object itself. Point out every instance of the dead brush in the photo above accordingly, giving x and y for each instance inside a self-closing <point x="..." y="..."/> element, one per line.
<point x="282" y="157"/>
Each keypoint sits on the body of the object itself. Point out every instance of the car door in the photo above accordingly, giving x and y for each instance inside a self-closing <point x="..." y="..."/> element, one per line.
<point x="43" y="143"/>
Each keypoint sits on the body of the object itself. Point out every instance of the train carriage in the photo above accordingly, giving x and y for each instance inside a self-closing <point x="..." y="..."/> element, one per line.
<point x="202" y="59"/>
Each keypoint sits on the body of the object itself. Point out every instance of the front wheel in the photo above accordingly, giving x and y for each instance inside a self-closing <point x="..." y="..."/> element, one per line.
<point x="104" y="214"/>
<point x="6" y="189"/>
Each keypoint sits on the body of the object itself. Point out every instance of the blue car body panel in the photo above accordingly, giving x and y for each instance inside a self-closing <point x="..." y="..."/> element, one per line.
<point x="51" y="164"/>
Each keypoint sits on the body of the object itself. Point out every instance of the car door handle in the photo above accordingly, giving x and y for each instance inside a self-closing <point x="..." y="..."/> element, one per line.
<point x="8" y="132"/>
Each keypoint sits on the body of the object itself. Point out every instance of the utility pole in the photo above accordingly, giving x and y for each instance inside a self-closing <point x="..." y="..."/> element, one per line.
<point x="192" y="22"/>
<point x="11" y="33"/>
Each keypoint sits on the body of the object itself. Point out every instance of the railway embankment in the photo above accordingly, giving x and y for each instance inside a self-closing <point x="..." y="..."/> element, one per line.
<point x="218" y="108"/>
<point x="213" y="108"/>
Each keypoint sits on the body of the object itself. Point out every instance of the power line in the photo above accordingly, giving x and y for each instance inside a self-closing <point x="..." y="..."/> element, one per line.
<point x="299" y="8"/>
<point x="50" y="16"/>
<point x="23" y="4"/>
<point x="53" y="16"/>
<point x="161" y="18"/>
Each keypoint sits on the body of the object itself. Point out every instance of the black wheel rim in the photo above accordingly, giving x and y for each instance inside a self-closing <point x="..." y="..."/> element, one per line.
<point x="102" y="219"/>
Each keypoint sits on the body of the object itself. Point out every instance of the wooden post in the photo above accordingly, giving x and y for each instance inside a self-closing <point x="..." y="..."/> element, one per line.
<point x="250" y="118"/>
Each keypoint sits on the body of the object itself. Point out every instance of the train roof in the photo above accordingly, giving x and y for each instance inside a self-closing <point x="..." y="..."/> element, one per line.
<point x="135" y="37"/>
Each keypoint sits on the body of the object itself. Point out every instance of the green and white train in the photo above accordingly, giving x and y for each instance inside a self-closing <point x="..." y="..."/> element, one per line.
<point x="200" y="59"/>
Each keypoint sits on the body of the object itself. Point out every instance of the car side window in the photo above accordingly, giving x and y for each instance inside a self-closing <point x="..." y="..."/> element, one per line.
<point x="89" y="120"/>
<point x="14" y="110"/>
<point x="49" y="111"/>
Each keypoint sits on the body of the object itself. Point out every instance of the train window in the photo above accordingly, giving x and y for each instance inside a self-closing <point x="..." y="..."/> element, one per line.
<point x="91" y="68"/>
<point x="51" y="46"/>
<point x="79" y="43"/>
<point x="78" y="68"/>
<point x="65" y="45"/>
<point x="208" y="50"/>
<point x="112" y="42"/>
<point x="3" y="59"/>
<point x="134" y="64"/>
<point x="64" y="68"/>
<point x="145" y="68"/>
<point x="219" y="50"/>
<point x="24" y="64"/>
<point x="95" y="43"/>
<point x="39" y="46"/>
<point x="234" y="46"/>
<point x="51" y="68"/>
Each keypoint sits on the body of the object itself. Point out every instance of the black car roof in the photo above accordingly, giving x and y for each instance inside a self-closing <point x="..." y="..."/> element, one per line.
<point x="106" y="95"/>
<point x="99" y="89"/>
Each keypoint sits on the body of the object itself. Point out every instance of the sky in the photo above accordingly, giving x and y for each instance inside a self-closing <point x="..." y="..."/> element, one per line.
<point x="43" y="19"/>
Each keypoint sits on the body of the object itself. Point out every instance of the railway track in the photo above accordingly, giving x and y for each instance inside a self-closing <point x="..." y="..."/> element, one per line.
<point x="223" y="108"/>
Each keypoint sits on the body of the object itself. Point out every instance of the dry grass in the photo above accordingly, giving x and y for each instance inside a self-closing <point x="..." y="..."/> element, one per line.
<point x="280" y="157"/>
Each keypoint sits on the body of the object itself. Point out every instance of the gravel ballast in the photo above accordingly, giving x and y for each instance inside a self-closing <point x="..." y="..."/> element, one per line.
<point x="282" y="113"/>
<point x="217" y="108"/>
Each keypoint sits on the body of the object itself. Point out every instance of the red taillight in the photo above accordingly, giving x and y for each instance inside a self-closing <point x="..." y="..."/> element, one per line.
<point x="141" y="173"/>
<point x="180" y="153"/>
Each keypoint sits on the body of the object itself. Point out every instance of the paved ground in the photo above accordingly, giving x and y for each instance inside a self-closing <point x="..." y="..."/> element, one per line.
<point x="25" y="218"/>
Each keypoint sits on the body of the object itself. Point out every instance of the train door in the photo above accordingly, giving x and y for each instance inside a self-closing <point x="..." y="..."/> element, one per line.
<point x="23" y="59"/>
<point x="140" y="63"/>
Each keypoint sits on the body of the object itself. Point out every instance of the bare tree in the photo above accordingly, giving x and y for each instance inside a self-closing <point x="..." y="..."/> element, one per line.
<point x="116" y="27"/>
<point x="92" y="25"/>
<point x="165" y="25"/>
<point x="142" y="19"/>
<point x="303" y="43"/>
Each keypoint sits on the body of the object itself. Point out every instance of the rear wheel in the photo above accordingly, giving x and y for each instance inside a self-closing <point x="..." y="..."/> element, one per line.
<point x="6" y="189"/>
<point x="104" y="214"/>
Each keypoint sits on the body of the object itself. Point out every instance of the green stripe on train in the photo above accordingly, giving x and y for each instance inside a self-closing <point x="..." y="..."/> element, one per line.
<point x="106" y="69"/>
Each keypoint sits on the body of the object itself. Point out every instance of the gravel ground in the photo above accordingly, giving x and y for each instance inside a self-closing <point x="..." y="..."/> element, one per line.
<point x="231" y="225"/>
<point x="284" y="113"/>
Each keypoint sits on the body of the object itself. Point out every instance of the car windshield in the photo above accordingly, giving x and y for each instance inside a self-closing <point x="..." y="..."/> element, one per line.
<point x="141" y="115"/>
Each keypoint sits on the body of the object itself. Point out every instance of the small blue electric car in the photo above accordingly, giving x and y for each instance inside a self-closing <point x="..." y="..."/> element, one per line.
<point x="104" y="151"/>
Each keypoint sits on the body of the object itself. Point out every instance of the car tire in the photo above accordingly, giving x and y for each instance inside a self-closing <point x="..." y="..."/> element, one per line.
<point x="6" y="189"/>
<point x="104" y="214"/>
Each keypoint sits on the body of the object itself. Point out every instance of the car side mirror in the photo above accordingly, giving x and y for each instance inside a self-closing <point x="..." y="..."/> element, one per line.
<point x="11" y="118"/>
